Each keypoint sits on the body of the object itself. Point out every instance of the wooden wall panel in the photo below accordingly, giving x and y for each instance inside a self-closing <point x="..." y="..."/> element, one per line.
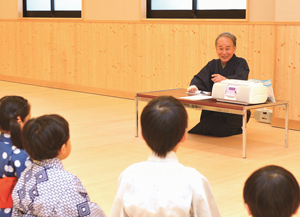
<point x="287" y="78"/>
<point x="128" y="57"/>
<point x="261" y="51"/>
<point x="121" y="58"/>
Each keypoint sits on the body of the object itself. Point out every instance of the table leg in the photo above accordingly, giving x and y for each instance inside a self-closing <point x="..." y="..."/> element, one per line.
<point x="244" y="132"/>
<point x="136" y="118"/>
<point x="286" y="125"/>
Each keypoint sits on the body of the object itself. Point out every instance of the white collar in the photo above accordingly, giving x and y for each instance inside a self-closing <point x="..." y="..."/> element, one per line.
<point x="170" y="157"/>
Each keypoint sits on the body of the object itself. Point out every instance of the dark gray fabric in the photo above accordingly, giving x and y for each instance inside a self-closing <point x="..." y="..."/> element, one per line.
<point x="216" y="123"/>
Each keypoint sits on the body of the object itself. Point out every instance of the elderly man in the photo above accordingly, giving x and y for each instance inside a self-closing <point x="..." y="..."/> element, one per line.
<point x="228" y="66"/>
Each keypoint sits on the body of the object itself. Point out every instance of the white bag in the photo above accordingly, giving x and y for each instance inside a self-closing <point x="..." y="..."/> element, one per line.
<point x="268" y="84"/>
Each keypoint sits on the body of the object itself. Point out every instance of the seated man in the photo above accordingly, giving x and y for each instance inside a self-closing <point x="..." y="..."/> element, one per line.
<point x="228" y="66"/>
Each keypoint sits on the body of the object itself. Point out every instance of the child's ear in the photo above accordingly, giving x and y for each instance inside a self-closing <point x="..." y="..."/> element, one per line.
<point x="183" y="137"/>
<point x="63" y="149"/>
<point x="248" y="209"/>
<point x="142" y="135"/>
<point x="19" y="120"/>
<point x="62" y="152"/>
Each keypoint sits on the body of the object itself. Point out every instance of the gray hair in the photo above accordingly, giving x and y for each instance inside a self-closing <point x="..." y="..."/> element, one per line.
<point x="227" y="35"/>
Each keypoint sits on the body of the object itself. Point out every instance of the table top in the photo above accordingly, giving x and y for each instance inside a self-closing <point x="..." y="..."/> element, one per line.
<point x="181" y="92"/>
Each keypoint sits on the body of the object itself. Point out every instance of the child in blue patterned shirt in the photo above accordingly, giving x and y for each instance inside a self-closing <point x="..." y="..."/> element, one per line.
<point x="14" y="112"/>
<point x="45" y="188"/>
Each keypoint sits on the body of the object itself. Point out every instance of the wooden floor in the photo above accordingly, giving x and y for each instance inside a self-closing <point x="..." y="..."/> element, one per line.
<point x="104" y="144"/>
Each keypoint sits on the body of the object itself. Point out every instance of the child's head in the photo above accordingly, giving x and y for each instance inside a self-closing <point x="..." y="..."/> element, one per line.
<point x="14" y="112"/>
<point x="46" y="137"/>
<point x="163" y="122"/>
<point x="271" y="191"/>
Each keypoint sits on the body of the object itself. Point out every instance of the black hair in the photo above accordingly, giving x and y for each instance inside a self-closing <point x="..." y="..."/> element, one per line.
<point x="272" y="191"/>
<point x="12" y="107"/>
<point x="163" y="123"/>
<point x="44" y="136"/>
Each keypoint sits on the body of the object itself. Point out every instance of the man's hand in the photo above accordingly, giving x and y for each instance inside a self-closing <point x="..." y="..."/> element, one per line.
<point x="192" y="89"/>
<point x="217" y="78"/>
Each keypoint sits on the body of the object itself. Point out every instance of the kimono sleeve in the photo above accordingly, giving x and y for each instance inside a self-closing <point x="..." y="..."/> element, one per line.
<point x="204" y="203"/>
<point x="203" y="79"/>
<point x="118" y="205"/>
<point x="241" y="70"/>
<point x="76" y="202"/>
<point x="15" y="212"/>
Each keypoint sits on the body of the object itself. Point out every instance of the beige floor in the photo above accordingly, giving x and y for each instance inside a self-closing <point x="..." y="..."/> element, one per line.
<point x="104" y="144"/>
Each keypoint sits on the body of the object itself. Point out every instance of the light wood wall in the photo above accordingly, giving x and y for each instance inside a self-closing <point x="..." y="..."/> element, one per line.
<point x="287" y="78"/>
<point x="122" y="58"/>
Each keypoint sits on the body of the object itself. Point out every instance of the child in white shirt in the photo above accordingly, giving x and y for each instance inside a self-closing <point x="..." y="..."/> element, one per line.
<point x="162" y="186"/>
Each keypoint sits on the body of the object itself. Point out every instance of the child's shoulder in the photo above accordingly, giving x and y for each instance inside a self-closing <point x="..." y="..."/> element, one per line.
<point x="54" y="171"/>
<point x="135" y="167"/>
<point x="19" y="154"/>
<point x="147" y="166"/>
<point x="5" y="144"/>
<point x="195" y="173"/>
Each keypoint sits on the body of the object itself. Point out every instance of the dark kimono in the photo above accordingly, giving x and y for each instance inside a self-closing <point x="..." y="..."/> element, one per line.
<point x="216" y="123"/>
